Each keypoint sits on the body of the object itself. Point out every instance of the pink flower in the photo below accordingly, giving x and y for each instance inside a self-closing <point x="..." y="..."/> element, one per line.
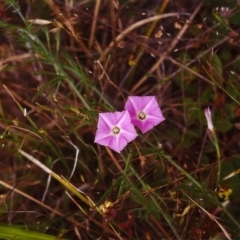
<point x="144" y="111"/>
<point x="208" y="116"/>
<point x="115" y="130"/>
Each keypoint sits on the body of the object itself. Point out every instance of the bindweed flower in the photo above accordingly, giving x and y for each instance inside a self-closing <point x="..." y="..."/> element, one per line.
<point x="115" y="130"/>
<point x="144" y="111"/>
<point x="208" y="116"/>
<point x="213" y="137"/>
<point x="211" y="131"/>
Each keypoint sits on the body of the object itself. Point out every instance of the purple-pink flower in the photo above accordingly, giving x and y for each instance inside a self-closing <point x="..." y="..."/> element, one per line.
<point x="144" y="111"/>
<point x="115" y="130"/>
<point x="208" y="116"/>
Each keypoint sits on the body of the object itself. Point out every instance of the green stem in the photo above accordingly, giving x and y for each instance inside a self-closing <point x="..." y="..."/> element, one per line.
<point x="218" y="159"/>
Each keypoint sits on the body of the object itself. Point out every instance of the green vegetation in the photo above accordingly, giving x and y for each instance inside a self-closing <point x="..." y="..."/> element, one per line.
<point x="64" y="62"/>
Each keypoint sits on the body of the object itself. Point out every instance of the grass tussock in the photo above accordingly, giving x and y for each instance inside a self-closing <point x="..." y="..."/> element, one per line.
<point x="64" y="62"/>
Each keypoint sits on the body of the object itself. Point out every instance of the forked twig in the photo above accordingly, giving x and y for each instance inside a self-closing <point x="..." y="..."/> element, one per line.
<point x="109" y="80"/>
<point x="76" y="156"/>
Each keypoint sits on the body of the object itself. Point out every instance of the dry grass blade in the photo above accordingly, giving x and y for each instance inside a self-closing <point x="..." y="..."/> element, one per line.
<point x="169" y="49"/>
<point x="64" y="62"/>
<point x="6" y="185"/>
<point x="134" y="26"/>
<point x="40" y="21"/>
<point x="94" y="22"/>
<point x="212" y="217"/>
<point x="190" y="70"/>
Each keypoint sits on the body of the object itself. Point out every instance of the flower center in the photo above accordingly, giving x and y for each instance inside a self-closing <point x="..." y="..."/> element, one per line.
<point x="142" y="115"/>
<point x="116" y="130"/>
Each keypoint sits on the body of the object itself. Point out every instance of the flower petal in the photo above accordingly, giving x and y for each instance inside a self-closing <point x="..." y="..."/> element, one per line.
<point x="118" y="144"/>
<point x="124" y="119"/>
<point x="129" y="132"/>
<point x="208" y="116"/>
<point x="102" y="134"/>
<point x="105" y="120"/>
<point x="148" y="103"/>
